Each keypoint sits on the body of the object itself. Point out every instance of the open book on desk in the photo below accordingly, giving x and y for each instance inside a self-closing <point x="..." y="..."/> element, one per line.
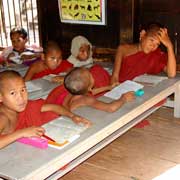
<point x="32" y="87"/>
<point x="124" y="87"/>
<point x="151" y="80"/>
<point x="50" y="76"/>
<point x="63" y="131"/>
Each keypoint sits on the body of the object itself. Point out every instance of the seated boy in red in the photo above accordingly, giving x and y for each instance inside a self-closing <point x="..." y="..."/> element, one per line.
<point x="18" y="116"/>
<point x="51" y="63"/>
<point x="145" y="57"/>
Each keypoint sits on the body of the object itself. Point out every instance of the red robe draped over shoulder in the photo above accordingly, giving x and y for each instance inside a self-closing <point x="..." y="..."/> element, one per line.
<point x="63" y="67"/>
<point x="32" y="115"/>
<point x="141" y="63"/>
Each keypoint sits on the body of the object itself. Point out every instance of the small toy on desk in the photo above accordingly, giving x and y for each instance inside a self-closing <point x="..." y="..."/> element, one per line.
<point x="139" y="92"/>
<point x="34" y="141"/>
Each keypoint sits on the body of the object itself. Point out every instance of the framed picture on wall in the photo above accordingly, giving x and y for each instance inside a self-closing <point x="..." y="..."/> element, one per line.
<point x="83" y="11"/>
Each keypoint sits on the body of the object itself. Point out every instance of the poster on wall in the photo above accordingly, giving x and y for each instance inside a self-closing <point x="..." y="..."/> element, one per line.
<point x="83" y="11"/>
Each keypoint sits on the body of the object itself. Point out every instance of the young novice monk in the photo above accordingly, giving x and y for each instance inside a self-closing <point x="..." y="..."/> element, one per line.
<point x="101" y="85"/>
<point x="52" y="63"/>
<point x="81" y="52"/>
<point x="19" y="52"/>
<point x="18" y="115"/>
<point x="79" y="82"/>
<point x="145" y="57"/>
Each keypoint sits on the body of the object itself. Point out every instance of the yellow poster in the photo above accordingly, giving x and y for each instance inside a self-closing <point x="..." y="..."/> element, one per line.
<point x="82" y="11"/>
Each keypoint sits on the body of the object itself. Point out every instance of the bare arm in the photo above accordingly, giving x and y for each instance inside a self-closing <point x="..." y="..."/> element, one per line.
<point x="26" y="57"/>
<point x="61" y="110"/>
<point x="117" y="65"/>
<point x="58" y="79"/>
<point x="171" y="64"/>
<point x="108" y="107"/>
<point x="27" y="132"/>
<point x="95" y="91"/>
<point x="31" y="71"/>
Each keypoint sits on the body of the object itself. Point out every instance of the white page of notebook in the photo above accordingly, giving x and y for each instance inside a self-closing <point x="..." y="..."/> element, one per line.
<point x="63" y="129"/>
<point x="32" y="87"/>
<point x="124" y="87"/>
<point x="151" y="79"/>
<point x="49" y="77"/>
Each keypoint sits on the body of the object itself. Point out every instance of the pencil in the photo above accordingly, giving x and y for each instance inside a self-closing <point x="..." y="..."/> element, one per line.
<point x="48" y="138"/>
<point x="58" y="144"/>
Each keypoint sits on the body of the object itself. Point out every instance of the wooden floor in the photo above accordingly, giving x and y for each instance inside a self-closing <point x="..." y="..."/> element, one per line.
<point x="140" y="154"/>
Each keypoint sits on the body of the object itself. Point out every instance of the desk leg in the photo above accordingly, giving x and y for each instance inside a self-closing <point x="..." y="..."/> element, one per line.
<point x="177" y="102"/>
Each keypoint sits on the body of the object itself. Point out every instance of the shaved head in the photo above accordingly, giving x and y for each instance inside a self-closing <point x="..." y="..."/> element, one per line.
<point x="8" y="74"/>
<point x="76" y="81"/>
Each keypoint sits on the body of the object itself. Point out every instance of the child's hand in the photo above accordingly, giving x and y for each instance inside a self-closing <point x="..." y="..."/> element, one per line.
<point x="32" y="131"/>
<point x="27" y="57"/>
<point x="6" y="64"/>
<point x="129" y="96"/>
<point x="78" y="119"/>
<point x="10" y="55"/>
<point x="114" y="80"/>
<point x="114" y="85"/>
<point x="164" y="38"/>
<point x="58" y="79"/>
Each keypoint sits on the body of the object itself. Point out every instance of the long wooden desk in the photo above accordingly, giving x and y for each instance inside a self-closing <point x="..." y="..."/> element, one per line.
<point x="45" y="85"/>
<point x="20" y="161"/>
<point x="21" y="68"/>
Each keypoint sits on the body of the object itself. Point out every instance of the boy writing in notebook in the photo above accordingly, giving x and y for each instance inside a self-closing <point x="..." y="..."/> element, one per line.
<point x="145" y="57"/>
<point x="18" y="115"/>
<point x="79" y="82"/>
<point x="51" y="63"/>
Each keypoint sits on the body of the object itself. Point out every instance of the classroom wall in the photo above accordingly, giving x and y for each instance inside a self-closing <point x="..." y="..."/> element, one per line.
<point x="124" y="21"/>
<point x="108" y="36"/>
<point x="167" y="13"/>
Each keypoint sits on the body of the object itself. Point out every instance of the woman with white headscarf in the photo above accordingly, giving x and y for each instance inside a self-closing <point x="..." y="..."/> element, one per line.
<point x="81" y="52"/>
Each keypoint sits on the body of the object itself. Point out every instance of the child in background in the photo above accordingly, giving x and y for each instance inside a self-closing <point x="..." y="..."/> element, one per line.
<point x="51" y="63"/>
<point x="78" y="83"/>
<point x="19" y="52"/>
<point x="81" y="52"/>
<point x="145" y="57"/>
<point x="18" y="115"/>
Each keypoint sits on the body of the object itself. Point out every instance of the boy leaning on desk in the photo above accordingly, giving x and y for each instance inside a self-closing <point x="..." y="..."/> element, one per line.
<point x="20" y="117"/>
<point x="145" y="57"/>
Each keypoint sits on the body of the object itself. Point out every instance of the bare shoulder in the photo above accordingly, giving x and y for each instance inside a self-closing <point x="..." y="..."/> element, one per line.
<point x="90" y="100"/>
<point x="4" y="122"/>
<point x="127" y="49"/>
<point x="83" y="99"/>
<point x="37" y="66"/>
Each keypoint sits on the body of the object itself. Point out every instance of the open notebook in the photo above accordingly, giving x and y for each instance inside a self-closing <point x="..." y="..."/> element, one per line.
<point x="124" y="87"/>
<point x="63" y="131"/>
<point x="32" y="87"/>
<point x="50" y="76"/>
<point x="147" y="79"/>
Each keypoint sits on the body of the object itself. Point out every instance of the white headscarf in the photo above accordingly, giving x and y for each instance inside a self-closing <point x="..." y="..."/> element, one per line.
<point x="76" y="43"/>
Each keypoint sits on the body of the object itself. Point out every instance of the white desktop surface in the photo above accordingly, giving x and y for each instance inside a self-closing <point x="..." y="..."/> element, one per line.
<point x="45" y="88"/>
<point x="17" y="67"/>
<point x="20" y="161"/>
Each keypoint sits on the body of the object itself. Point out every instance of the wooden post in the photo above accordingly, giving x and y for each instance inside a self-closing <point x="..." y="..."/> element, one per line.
<point x="126" y="21"/>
